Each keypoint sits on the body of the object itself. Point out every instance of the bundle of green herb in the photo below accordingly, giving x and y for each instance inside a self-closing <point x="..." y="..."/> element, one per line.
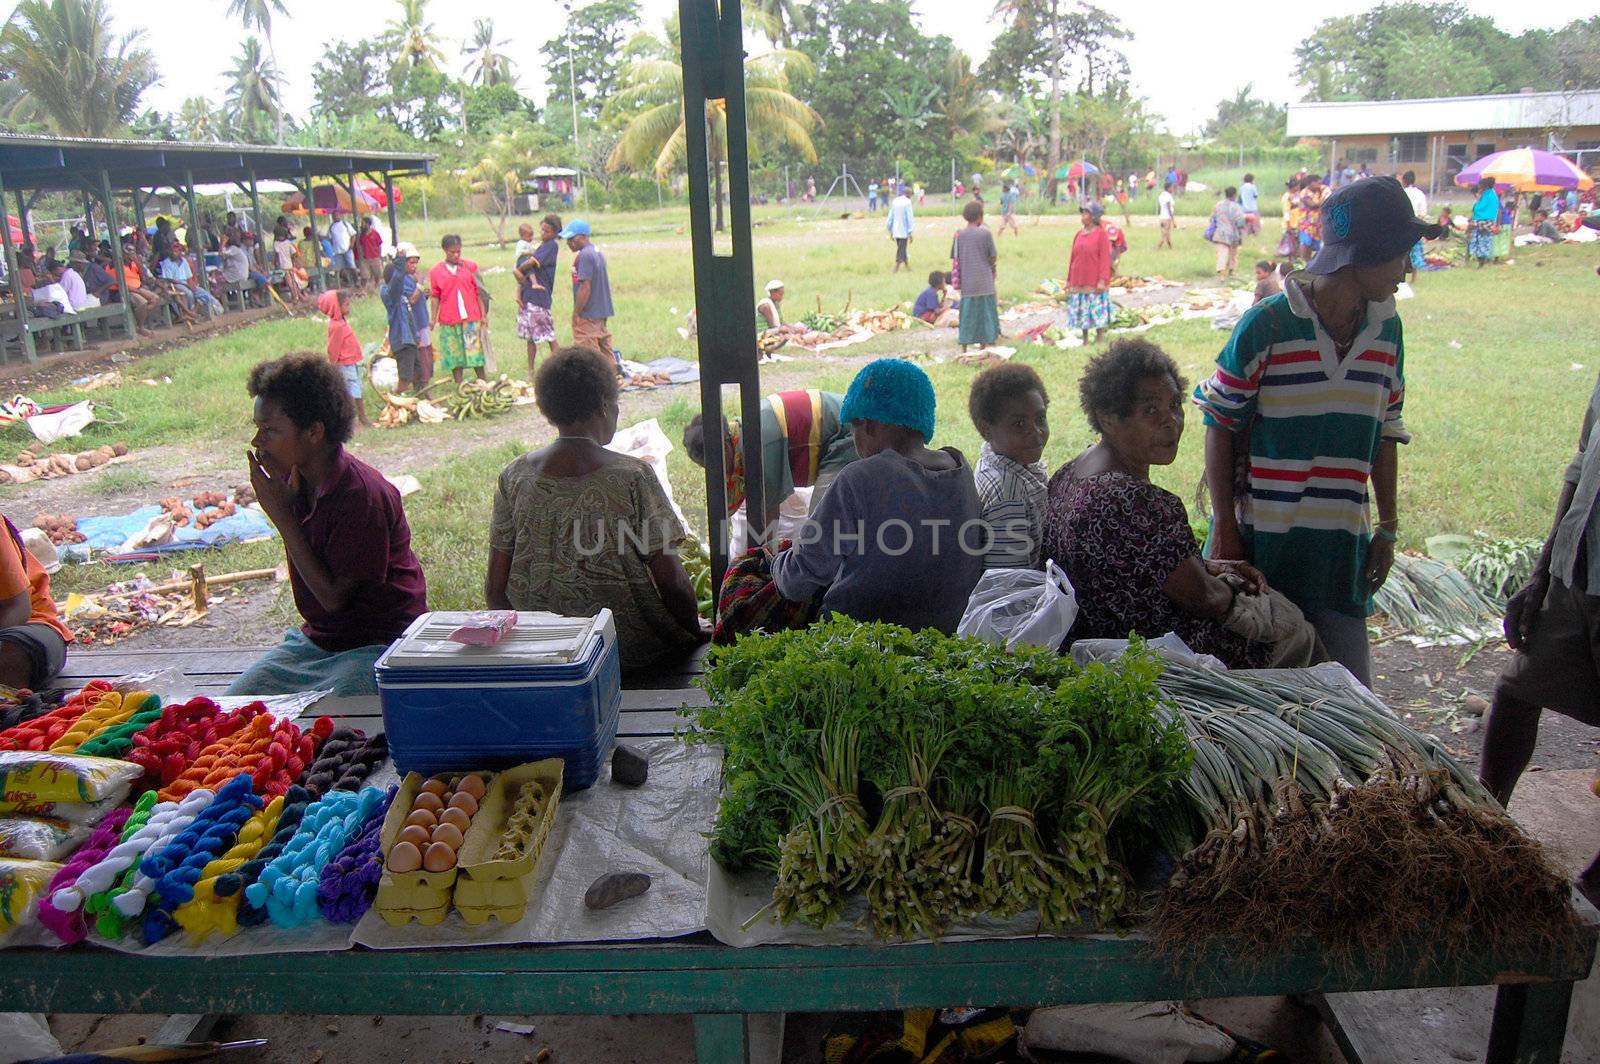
<point x="939" y="777"/>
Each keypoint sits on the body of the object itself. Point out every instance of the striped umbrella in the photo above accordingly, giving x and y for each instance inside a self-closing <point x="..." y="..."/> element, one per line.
<point x="1526" y="170"/>
<point x="1078" y="169"/>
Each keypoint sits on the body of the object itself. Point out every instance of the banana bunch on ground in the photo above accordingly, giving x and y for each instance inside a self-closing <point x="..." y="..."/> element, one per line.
<point x="475" y="398"/>
<point x="697" y="564"/>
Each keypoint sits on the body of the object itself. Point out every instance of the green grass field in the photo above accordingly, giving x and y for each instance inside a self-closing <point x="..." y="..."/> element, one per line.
<point x="1499" y="367"/>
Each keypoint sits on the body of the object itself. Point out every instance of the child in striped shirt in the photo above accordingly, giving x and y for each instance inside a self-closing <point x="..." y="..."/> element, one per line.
<point x="1009" y="406"/>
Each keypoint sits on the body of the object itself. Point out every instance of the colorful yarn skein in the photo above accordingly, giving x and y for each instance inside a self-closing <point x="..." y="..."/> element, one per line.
<point x="288" y="886"/>
<point x="178" y="867"/>
<point x="350" y="881"/>
<point x="150" y="824"/>
<point x="25" y="705"/>
<point x="118" y="740"/>
<point x="71" y="926"/>
<point x="124" y="895"/>
<point x="295" y="804"/>
<point x="345" y="760"/>
<point x="168" y="747"/>
<point x="208" y="910"/>
<point x="274" y="752"/>
<point x="40" y="732"/>
<point x="110" y="709"/>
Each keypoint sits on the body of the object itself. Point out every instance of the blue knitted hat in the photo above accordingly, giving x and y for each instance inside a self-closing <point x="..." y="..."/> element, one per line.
<point x="894" y="392"/>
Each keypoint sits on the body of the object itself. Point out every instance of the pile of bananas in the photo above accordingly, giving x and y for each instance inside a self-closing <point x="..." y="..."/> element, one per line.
<point x="697" y="563"/>
<point x="475" y="398"/>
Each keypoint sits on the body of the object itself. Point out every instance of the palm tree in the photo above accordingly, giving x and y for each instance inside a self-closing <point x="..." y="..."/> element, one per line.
<point x="655" y="137"/>
<point x="1042" y="17"/>
<point x="197" y="121"/>
<point x="779" y="19"/>
<point x="961" y="104"/>
<point x="489" y="66"/>
<point x="257" y="14"/>
<point x="253" y="88"/>
<point x="414" y="38"/>
<point x="63" y="55"/>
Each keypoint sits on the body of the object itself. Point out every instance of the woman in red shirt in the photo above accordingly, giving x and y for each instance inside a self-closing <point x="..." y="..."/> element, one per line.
<point x="1088" y="277"/>
<point x="33" y="641"/>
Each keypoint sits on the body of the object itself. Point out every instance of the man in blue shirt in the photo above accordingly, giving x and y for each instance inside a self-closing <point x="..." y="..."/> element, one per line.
<point x="591" y="291"/>
<point x="1249" y="199"/>
<point x="902" y="220"/>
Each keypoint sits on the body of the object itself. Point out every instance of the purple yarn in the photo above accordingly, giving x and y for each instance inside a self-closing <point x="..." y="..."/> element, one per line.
<point x="350" y="881"/>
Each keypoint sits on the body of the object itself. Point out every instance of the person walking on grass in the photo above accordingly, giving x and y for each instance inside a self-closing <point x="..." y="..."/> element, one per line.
<point x="1009" y="195"/>
<point x="1548" y="624"/>
<point x="976" y="262"/>
<point x="1305" y="410"/>
<point x="902" y="220"/>
<point x="344" y="350"/>
<point x="454" y="305"/>
<point x="1166" y="205"/>
<point x="591" y="292"/>
<point x="1089" y="276"/>
<point x="1250" y="200"/>
<point x="1227" y="232"/>
<point x="535" y="272"/>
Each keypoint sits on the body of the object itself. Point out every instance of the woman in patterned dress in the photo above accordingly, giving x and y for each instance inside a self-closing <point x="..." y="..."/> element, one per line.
<point x="1089" y="276"/>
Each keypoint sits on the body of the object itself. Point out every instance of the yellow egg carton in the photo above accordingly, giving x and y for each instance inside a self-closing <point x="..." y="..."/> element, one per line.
<point x="499" y="861"/>
<point x="421" y="895"/>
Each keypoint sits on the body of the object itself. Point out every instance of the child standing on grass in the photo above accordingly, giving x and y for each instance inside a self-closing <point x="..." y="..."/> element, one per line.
<point x="1010" y="409"/>
<point x="975" y="259"/>
<point x="344" y="350"/>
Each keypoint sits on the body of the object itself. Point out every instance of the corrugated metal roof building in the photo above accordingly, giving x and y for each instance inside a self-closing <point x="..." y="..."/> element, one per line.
<point x="1437" y="137"/>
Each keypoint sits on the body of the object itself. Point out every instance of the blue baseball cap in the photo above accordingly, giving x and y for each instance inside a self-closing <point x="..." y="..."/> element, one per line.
<point x="1366" y="223"/>
<point x="576" y="227"/>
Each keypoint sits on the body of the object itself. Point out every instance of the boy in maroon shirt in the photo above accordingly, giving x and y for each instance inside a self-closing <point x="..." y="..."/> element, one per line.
<point x="355" y="580"/>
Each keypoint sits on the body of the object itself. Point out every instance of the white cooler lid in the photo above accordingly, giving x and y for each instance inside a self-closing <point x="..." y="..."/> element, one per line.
<point x="538" y="639"/>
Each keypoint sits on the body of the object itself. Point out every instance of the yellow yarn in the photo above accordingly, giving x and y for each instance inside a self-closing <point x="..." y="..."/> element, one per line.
<point x="111" y="709"/>
<point x="206" y="912"/>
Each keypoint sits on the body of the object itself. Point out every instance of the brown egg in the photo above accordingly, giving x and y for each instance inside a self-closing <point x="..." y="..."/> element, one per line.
<point x="464" y="802"/>
<point x="404" y="857"/>
<point x="429" y="801"/>
<point x="416" y="835"/>
<point x="439" y="787"/>
<point x="457" y="816"/>
<point x="448" y="834"/>
<point x="422" y="818"/>
<point x="439" y="858"/>
<point x="472" y="785"/>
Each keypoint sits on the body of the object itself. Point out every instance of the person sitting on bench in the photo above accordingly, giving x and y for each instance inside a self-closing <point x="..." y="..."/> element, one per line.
<point x="356" y="581"/>
<point x="33" y="641"/>
<point x="236" y="269"/>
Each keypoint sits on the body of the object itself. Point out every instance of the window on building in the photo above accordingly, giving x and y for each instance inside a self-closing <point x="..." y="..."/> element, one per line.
<point x="1364" y="155"/>
<point x="1484" y="149"/>
<point x="1455" y="157"/>
<point x="1587" y="145"/>
<point x="1411" y="148"/>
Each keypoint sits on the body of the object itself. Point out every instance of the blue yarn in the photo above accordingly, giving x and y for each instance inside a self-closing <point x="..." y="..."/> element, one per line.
<point x="220" y="824"/>
<point x="894" y="392"/>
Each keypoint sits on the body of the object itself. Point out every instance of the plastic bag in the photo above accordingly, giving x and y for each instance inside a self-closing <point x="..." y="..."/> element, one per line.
<point x="646" y="442"/>
<point x="41" y="776"/>
<point x="385" y="374"/>
<point x="1171" y="647"/>
<point x="90" y="813"/>
<point x="1012" y="606"/>
<point x="39" y="838"/>
<point x="63" y="423"/>
<point x="21" y="883"/>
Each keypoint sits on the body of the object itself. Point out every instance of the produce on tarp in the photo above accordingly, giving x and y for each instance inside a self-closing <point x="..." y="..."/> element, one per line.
<point x="943" y="778"/>
<point x="1312" y="812"/>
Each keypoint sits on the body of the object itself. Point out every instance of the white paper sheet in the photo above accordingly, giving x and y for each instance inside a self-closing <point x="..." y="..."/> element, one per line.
<point x="658" y="829"/>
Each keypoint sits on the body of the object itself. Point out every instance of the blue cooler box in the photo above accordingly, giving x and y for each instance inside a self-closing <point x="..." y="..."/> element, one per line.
<point x="551" y="688"/>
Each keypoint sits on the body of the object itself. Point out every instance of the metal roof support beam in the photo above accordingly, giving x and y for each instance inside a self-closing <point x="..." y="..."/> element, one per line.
<point x="316" y="243"/>
<point x="259" y="250"/>
<point x="394" y="222"/>
<point x="713" y="70"/>
<point x="129" y="326"/>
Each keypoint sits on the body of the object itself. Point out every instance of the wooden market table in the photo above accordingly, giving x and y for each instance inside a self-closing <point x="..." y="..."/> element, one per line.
<point x="720" y="986"/>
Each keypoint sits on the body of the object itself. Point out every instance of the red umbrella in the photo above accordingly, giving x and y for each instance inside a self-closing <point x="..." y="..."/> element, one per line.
<point x="374" y="191"/>
<point x="15" y="224"/>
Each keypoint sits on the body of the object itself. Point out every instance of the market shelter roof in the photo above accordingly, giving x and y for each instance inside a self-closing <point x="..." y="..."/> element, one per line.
<point x="55" y="164"/>
<point x="1507" y="111"/>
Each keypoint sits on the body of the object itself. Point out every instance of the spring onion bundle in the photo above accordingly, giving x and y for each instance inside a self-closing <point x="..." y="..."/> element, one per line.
<point x="940" y="778"/>
<point x="1430" y="597"/>
<point x="1310" y="810"/>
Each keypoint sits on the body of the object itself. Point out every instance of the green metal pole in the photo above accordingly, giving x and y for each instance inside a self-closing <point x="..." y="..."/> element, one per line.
<point x="350" y="175"/>
<point x="16" y="283"/>
<point x="22" y="216"/>
<point x="394" y="222"/>
<point x="129" y="325"/>
<point x="255" y="206"/>
<point x="316" y="245"/>
<point x="196" y="241"/>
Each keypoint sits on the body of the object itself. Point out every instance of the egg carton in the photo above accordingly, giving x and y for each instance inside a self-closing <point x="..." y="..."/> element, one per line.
<point x="421" y="895"/>
<point x="501" y="888"/>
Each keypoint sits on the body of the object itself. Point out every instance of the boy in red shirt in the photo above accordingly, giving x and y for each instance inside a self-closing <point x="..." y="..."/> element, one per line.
<point x="454" y="287"/>
<point x="344" y="350"/>
<point x="33" y="641"/>
<point x="369" y="253"/>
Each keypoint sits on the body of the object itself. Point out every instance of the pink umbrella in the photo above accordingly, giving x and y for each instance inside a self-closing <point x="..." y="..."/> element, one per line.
<point x="15" y="225"/>
<point x="374" y="192"/>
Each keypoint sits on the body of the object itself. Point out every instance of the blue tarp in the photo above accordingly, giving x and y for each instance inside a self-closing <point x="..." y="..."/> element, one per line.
<point x="110" y="532"/>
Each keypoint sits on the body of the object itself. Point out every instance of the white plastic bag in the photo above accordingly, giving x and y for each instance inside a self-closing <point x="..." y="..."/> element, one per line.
<point x="792" y="513"/>
<point x="1011" y="606"/>
<point x="385" y="374"/>
<point x="1171" y="647"/>
<point x="646" y="442"/>
<point x="63" y="423"/>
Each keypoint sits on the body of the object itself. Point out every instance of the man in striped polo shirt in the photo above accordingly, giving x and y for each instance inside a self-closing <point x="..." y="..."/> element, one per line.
<point x="1304" y="411"/>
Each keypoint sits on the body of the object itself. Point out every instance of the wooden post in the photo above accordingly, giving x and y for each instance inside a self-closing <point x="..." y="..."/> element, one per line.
<point x="138" y="216"/>
<point x="17" y="294"/>
<point x="22" y="218"/>
<point x="355" y="216"/>
<point x="260" y="251"/>
<point x="316" y="244"/>
<point x="1433" y="166"/>
<point x="394" y="222"/>
<point x="197" y="589"/>
<point x="195" y="241"/>
<point x="129" y="324"/>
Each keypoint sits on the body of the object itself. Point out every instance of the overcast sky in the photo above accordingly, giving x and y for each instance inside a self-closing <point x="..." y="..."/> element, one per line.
<point x="1175" y="53"/>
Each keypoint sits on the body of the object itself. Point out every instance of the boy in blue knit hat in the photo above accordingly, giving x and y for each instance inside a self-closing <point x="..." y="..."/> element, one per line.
<point x="900" y="537"/>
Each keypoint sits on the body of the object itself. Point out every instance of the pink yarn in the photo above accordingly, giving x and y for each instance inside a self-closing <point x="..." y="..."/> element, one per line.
<point x="71" y="927"/>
